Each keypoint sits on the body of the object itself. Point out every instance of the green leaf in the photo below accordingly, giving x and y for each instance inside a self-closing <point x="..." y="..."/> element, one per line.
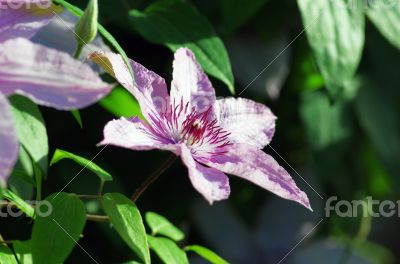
<point x="178" y="24"/>
<point x="386" y="17"/>
<point x="110" y="38"/>
<point x="327" y="123"/>
<point x="21" y="204"/>
<point x="236" y="13"/>
<point x="167" y="250"/>
<point x="30" y="125"/>
<point x="24" y="169"/>
<point x="121" y="103"/>
<point x="23" y="251"/>
<point x="160" y="225"/>
<point x="62" y="154"/>
<point x="86" y="28"/>
<point x="126" y="219"/>
<point x="206" y="254"/>
<point x="55" y="235"/>
<point x="335" y="31"/>
<point x="378" y="111"/>
<point x="77" y="115"/>
<point x="6" y="255"/>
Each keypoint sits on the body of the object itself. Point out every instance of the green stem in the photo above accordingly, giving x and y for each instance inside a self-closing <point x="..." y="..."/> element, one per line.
<point x="97" y="218"/>
<point x="100" y="191"/>
<point x="88" y="196"/>
<point x="153" y="177"/>
<point x="78" y="51"/>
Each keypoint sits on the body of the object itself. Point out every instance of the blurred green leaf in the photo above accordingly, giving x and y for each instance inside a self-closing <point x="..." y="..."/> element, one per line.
<point x="54" y="236"/>
<point x="386" y="17"/>
<point x="62" y="154"/>
<point x="126" y="219"/>
<point x="23" y="251"/>
<point x="121" y="103"/>
<point x="178" y="24"/>
<point x="377" y="179"/>
<point x="30" y="125"/>
<point x="327" y="123"/>
<point x="161" y="225"/>
<point x="378" y="110"/>
<point x="335" y="31"/>
<point x="236" y="13"/>
<point x="307" y="76"/>
<point x="167" y="250"/>
<point x="6" y="255"/>
<point x="206" y="254"/>
<point x="20" y="203"/>
<point x="374" y="253"/>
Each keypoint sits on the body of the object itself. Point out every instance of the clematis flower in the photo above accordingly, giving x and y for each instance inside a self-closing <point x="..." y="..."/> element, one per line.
<point x="46" y="76"/>
<point x="212" y="137"/>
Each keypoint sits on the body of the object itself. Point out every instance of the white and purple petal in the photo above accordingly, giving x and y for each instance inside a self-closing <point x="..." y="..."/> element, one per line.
<point x="252" y="164"/>
<point x="24" y="18"/>
<point x="59" y="34"/>
<point x="48" y="77"/>
<point x="209" y="182"/>
<point x="8" y="141"/>
<point x="246" y="121"/>
<point x="134" y="134"/>
<point x="148" y="88"/>
<point x="190" y="84"/>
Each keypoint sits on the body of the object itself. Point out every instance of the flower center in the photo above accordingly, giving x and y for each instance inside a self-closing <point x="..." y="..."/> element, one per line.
<point x="198" y="130"/>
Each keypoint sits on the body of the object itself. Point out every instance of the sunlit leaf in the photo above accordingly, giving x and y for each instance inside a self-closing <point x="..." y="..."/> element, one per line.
<point x="160" y="225"/>
<point x="56" y="232"/>
<point x="167" y="250"/>
<point x="206" y="254"/>
<point x="87" y="164"/>
<point x="121" y="103"/>
<point x="30" y="125"/>
<point x="335" y="31"/>
<point x="23" y="251"/>
<point x="19" y="202"/>
<point x="126" y="219"/>
<point x="6" y="255"/>
<point x="178" y="24"/>
<point x="386" y="17"/>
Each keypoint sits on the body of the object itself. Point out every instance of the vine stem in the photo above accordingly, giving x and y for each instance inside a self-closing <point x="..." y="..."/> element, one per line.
<point x="153" y="177"/>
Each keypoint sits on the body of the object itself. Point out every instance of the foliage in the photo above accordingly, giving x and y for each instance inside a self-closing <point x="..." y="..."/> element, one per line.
<point x="337" y="98"/>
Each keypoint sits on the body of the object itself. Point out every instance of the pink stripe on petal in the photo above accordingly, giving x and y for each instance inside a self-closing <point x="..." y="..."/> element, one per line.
<point x="246" y="121"/>
<point x="48" y="77"/>
<point x="190" y="83"/>
<point x="209" y="182"/>
<point x="8" y="141"/>
<point x="250" y="163"/>
<point x="134" y="134"/>
<point x="24" y="18"/>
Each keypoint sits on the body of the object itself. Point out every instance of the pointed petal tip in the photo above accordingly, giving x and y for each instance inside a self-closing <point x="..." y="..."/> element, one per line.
<point x="304" y="201"/>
